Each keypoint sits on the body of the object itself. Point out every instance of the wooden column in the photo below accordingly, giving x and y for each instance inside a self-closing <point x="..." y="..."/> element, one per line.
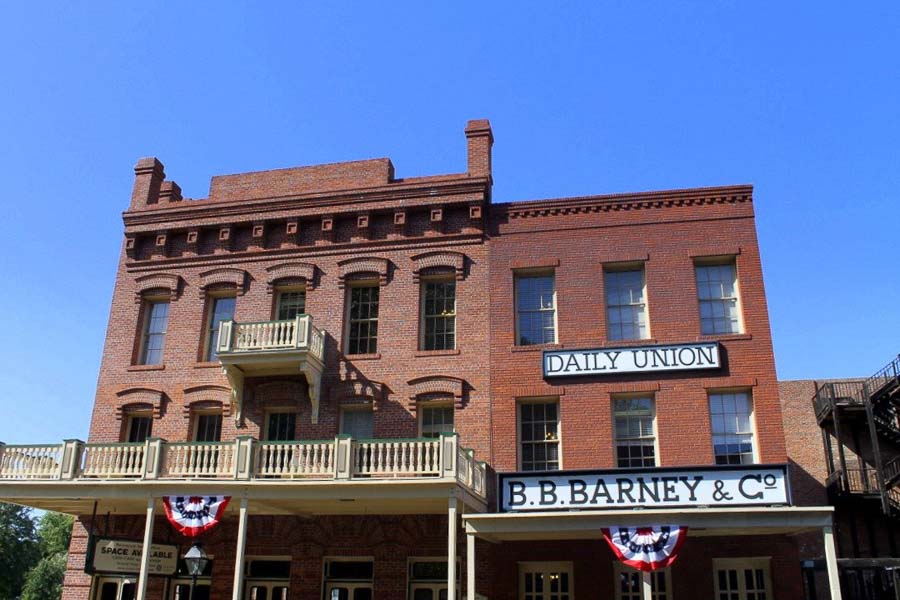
<point x="834" y="582"/>
<point x="451" y="548"/>
<point x="470" y="566"/>
<point x="646" y="585"/>
<point x="145" y="551"/>
<point x="237" y="588"/>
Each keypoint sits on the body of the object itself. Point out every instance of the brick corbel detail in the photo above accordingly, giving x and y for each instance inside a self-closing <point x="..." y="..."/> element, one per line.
<point x="131" y="397"/>
<point x="207" y="396"/>
<point x="350" y="390"/>
<point x="291" y="270"/>
<point x="157" y="281"/>
<point x="363" y="264"/>
<point x="456" y="261"/>
<point x="436" y="384"/>
<point x="235" y="277"/>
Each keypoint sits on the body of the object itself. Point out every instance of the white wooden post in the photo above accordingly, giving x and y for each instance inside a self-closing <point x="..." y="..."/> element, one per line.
<point x="237" y="588"/>
<point x="470" y="566"/>
<point x="449" y="443"/>
<point x="646" y="585"/>
<point x="154" y="455"/>
<point x="243" y="456"/>
<point x="145" y="551"/>
<point x="343" y="453"/>
<point x="451" y="549"/>
<point x="834" y="580"/>
<point x="71" y="458"/>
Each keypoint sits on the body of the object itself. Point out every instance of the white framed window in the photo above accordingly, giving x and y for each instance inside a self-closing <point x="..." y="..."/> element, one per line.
<point x="718" y="297"/>
<point x="221" y="309"/>
<point x="546" y="581"/>
<point x="435" y="419"/>
<point x="139" y="427"/>
<point x="427" y="578"/>
<point x="742" y="578"/>
<point x="290" y="302"/>
<point x="535" y="308"/>
<point x="281" y="426"/>
<point x="153" y="331"/>
<point x="539" y="438"/>
<point x="362" y="318"/>
<point x="357" y="422"/>
<point x="267" y="578"/>
<point x="731" y="416"/>
<point x="348" y="578"/>
<point x="115" y="588"/>
<point x="629" y="583"/>
<point x="634" y="422"/>
<point x="626" y="303"/>
<point x="438" y="302"/>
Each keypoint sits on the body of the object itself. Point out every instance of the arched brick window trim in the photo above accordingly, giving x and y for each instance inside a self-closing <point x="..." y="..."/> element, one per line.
<point x="167" y="282"/>
<point x="441" y="259"/>
<point x="355" y="390"/>
<point x="291" y="270"/>
<point x="207" y="396"/>
<point x="436" y="384"/>
<point x="363" y="264"/>
<point x="224" y="275"/>
<point x="146" y="397"/>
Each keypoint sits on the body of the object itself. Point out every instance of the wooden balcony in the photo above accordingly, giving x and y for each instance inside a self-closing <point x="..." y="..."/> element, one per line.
<point x="267" y="348"/>
<point x="246" y="459"/>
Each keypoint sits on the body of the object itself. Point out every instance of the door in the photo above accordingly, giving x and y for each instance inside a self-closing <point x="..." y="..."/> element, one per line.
<point x="266" y="590"/>
<point x="348" y="591"/>
<point x="181" y="590"/>
<point x="428" y="591"/>
<point x="116" y="588"/>
<point x="742" y="579"/>
<point x="545" y="581"/>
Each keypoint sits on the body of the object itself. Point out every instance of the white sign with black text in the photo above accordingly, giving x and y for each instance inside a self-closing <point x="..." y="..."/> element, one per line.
<point x="122" y="556"/>
<point x="649" y="488"/>
<point x="634" y="359"/>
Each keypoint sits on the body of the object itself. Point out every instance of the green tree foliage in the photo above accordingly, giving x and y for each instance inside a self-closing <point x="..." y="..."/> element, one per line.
<point x="19" y="548"/>
<point x="45" y="580"/>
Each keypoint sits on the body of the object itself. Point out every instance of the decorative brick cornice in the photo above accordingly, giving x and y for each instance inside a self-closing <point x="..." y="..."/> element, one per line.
<point x="157" y="281"/>
<point x="618" y="202"/>
<point x="291" y="270"/>
<point x="363" y="264"/>
<point x="207" y="396"/>
<point x="227" y="275"/>
<point x="445" y="259"/>
<point x="132" y="397"/>
<point x="436" y="384"/>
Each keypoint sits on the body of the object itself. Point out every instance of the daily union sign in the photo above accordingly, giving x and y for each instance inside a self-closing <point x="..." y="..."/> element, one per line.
<point x="635" y="359"/>
<point x="650" y="488"/>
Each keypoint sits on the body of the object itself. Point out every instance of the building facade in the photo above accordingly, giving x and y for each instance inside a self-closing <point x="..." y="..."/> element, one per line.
<point x="408" y="390"/>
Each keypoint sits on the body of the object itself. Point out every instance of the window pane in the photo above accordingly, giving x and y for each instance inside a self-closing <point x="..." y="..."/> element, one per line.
<point x="539" y="436"/>
<point x="717" y="295"/>
<point x="437" y="420"/>
<point x="625" y="306"/>
<point x="154" y="334"/>
<point x="281" y="427"/>
<point x="357" y="424"/>
<point x="363" y="326"/>
<point x="209" y="428"/>
<point x="291" y="304"/>
<point x="139" y="428"/>
<point x="222" y="310"/>
<point x="730" y="417"/>
<point x="439" y="315"/>
<point x="535" y="309"/>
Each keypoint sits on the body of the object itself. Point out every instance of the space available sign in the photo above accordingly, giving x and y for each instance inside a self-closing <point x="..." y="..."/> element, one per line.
<point x="631" y="359"/>
<point x="649" y="488"/>
<point x="123" y="556"/>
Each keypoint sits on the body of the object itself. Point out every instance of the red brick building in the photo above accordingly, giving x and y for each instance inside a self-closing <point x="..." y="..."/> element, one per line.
<point x="410" y="391"/>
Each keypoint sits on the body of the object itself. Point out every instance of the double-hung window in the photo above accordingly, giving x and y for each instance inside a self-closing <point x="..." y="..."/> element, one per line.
<point x="717" y="293"/>
<point x="153" y="335"/>
<point x="281" y="426"/>
<point x="626" y="304"/>
<point x="539" y="435"/>
<point x="363" y="319"/>
<point x="436" y="420"/>
<point x="222" y="309"/>
<point x="634" y="431"/>
<point x="291" y="302"/>
<point x="535" y="309"/>
<point x="731" y="414"/>
<point x="140" y="426"/>
<point x="439" y="315"/>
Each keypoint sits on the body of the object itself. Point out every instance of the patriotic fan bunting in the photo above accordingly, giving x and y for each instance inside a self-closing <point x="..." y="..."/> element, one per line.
<point x="192" y="515"/>
<point x="646" y="548"/>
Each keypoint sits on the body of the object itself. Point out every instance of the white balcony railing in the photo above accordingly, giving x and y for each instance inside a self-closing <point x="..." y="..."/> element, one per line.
<point x="245" y="458"/>
<point x="268" y="336"/>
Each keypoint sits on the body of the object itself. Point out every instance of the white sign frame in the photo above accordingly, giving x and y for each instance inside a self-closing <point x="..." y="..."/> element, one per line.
<point x="717" y="486"/>
<point x="126" y="558"/>
<point x="631" y="359"/>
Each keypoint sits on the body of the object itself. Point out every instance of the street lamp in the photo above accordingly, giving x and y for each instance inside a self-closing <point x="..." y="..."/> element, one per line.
<point x="196" y="560"/>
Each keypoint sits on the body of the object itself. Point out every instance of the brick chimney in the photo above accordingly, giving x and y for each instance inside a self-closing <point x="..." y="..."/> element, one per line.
<point x="479" y="139"/>
<point x="148" y="178"/>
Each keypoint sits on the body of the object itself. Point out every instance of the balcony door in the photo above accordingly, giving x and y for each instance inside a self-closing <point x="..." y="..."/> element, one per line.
<point x="357" y="423"/>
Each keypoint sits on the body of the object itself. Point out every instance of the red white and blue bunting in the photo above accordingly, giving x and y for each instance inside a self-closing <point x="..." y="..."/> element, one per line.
<point x="646" y="548"/>
<point x="192" y="515"/>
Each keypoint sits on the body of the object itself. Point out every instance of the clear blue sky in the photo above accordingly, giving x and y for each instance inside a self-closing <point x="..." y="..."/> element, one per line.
<point x="800" y="99"/>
